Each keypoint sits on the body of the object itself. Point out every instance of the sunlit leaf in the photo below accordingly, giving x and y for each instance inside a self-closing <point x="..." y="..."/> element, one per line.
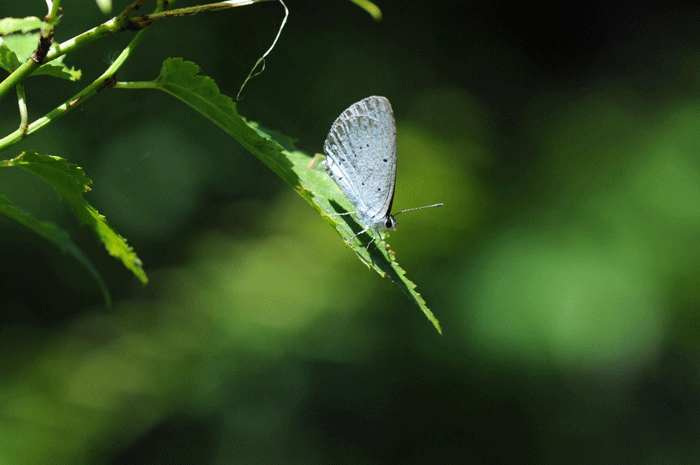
<point x="14" y="25"/>
<point x="56" y="68"/>
<point x="23" y="45"/>
<point x="8" y="58"/>
<point x="182" y="80"/>
<point x="71" y="183"/>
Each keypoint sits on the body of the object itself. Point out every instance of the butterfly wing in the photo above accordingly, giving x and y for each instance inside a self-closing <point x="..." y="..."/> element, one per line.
<point x="361" y="157"/>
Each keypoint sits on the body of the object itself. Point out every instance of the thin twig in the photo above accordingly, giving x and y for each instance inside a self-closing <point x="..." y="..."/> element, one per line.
<point x="193" y="10"/>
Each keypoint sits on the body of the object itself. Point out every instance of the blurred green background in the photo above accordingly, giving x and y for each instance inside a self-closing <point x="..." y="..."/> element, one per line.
<point x="563" y="268"/>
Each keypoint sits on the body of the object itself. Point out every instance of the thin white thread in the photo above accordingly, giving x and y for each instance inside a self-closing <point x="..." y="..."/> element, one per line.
<point x="253" y="73"/>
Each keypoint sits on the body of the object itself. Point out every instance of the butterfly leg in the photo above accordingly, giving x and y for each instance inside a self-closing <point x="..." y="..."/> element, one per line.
<point x="374" y="231"/>
<point x="374" y="236"/>
<point x="361" y="232"/>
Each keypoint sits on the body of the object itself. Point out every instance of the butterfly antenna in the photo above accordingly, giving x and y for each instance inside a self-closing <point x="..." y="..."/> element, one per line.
<point x="420" y="208"/>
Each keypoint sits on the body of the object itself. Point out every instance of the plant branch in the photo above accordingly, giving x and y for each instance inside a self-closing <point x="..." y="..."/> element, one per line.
<point x="124" y="21"/>
<point x="29" y="66"/>
<point x="117" y="24"/>
<point x="54" y="11"/>
<point x="133" y="7"/>
<point x="106" y="80"/>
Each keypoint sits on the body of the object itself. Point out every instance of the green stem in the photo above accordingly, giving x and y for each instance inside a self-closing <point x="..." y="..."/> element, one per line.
<point x="83" y="39"/>
<point x="193" y="10"/>
<point x="17" y="76"/>
<point x="99" y="84"/>
<point x="29" y="66"/>
<point x="23" y="115"/>
<point x="52" y="17"/>
<point x="118" y="24"/>
<point x="137" y="85"/>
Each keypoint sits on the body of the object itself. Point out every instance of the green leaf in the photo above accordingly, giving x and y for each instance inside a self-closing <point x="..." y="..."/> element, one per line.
<point x="70" y="182"/>
<point x="23" y="45"/>
<point x="58" y="236"/>
<point x="182" y="80"/>
<point x="56" y="68"/>
<point x="370" y="8"/>
<point x="14" y="25"/>
<point x="8" y="58"/>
